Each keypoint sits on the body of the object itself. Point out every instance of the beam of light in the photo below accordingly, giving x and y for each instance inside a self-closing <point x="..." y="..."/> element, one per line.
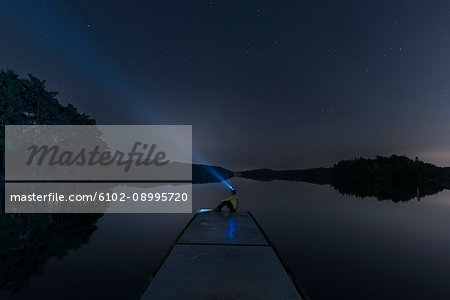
<point x="78" y="47"/>
<point x="62" y="37"/>
<point x="218" y="176"/>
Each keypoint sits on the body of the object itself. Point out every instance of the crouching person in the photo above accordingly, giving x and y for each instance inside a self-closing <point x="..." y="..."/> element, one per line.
<point x="230" y="202"/>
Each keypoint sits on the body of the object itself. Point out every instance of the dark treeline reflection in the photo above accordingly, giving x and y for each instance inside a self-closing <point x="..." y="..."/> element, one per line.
<point x="28" y="241"/>
<point x="396" y="178"/>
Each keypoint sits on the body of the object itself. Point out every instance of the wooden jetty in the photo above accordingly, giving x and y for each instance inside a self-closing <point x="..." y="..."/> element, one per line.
<point x="222" y="255"/>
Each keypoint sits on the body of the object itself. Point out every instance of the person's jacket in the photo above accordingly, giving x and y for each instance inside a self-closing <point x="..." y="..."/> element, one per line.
<point x="233" y="199"/>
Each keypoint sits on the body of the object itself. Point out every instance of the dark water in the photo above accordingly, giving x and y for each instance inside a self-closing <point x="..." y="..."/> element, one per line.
<point x="338" y="247"/>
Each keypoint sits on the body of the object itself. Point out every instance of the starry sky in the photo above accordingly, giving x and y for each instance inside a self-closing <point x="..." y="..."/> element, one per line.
<point x="278" y="84"/>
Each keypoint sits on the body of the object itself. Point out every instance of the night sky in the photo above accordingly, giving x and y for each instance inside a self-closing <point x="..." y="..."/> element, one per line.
<point x="265" y="84"/>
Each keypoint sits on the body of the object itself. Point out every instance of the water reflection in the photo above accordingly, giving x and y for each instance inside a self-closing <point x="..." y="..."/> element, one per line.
<point x="393" y="190"/>
<point x="28" y="241"/>
<point x="382" y="191"/>
<point x="324" y="237"/>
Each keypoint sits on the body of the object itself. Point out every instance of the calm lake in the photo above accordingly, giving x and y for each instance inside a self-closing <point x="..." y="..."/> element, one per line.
<point x="338" y="247"/>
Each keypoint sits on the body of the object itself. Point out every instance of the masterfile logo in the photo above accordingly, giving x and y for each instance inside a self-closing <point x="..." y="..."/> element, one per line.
<point x="98" y="152"/>
<point x="94" y="157"/>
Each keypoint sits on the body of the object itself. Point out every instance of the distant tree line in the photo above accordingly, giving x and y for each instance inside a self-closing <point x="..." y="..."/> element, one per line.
<point x="395" y="177"/>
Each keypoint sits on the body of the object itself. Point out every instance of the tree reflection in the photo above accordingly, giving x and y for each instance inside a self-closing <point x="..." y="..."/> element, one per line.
<point x="28" y="241"/>
<point x="395" y="178"/>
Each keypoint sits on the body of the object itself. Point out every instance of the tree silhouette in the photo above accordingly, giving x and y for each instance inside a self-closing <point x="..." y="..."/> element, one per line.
<point x="397" y="178"/>
<point x="27" y="241"/>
